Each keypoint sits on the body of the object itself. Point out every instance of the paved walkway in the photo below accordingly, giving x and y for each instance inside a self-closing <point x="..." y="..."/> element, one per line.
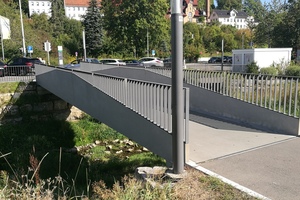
<point x="266" y="163"/>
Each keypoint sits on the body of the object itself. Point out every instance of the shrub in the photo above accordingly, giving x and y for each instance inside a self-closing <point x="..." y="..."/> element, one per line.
<point x="252" y="68"/>
<point x="293" y="70"/>
<point x="269" y="71"/>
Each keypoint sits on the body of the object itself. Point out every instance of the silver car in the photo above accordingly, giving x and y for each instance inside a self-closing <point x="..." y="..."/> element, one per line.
<point x="151" y="62"/>
<point x="112" y="61"/>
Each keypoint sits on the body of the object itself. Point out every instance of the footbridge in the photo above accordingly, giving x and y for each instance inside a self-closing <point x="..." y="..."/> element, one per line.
<point x="137" y="101"/>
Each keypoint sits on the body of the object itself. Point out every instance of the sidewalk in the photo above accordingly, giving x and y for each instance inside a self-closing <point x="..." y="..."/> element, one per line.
<point x="266" y="163"/>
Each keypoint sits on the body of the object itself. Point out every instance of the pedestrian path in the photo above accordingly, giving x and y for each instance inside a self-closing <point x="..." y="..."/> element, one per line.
<point x="266" y="163"/>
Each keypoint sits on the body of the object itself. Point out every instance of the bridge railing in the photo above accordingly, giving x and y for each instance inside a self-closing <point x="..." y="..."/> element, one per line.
<point x="150" y="100"/>
<point x="277" y="93"/>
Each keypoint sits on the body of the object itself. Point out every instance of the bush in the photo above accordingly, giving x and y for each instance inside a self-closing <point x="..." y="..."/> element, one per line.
<point x="252" y="68"/>
<point x="269" y="71"/>
<point x="293" y="70"/>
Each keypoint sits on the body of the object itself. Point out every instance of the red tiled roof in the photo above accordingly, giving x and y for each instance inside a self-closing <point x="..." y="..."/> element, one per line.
<point x="195" y="2"/>
<point x="84" y="3"/>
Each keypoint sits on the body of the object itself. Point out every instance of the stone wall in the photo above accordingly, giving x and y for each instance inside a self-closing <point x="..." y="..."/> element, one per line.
<point x="33" y="102"/>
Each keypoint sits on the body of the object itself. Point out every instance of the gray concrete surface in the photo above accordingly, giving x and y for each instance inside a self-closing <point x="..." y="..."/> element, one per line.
<point x="266" y="163"/>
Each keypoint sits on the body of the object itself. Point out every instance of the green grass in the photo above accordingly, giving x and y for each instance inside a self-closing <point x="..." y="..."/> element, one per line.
<point x="9" y="87"/>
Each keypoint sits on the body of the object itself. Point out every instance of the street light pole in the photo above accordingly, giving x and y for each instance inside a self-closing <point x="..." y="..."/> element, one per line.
<point x="84" y="48"/>
<point x="177" y="87"/>
<point x="22" y="27"/>
<point x="147" y="43"/>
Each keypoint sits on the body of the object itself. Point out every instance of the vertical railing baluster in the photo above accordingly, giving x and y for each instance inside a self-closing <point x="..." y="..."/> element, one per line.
<point x="270" y="93"/>
<point x="165" y="108"/>
<point x="170" y="109"/>
<point x="296" y="98"/>
<point x="261" y="90"/>
<point x="249" y="86"/>
<point x="245" y="87"/>
<point x="266" y="92"/>
<point x="253" y="89"/>
<point x="155" y="107"/>
<point x="280" y="95"/>
<point x="285" y="93"/>
<point x="291" y="95"/>
<point x="275" y="93"/>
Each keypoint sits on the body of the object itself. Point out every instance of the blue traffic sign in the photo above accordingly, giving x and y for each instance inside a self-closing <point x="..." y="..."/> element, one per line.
<point x="30" y="49"/>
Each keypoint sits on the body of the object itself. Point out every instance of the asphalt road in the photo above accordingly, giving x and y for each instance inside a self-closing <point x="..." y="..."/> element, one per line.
<point x="266" y="163"/>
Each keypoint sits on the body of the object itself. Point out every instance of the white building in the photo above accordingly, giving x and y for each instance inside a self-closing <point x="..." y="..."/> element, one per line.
<point x="264" y="57"/>
<point x="39" y="7"/>
<point x="74" y="9"/>
<point x="238" y="19"/>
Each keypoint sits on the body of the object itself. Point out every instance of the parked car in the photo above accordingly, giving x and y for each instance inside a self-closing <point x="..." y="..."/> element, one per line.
<point x="168" y="62"/>
<point x="73" y="64"/>
<point x="2" y="68"/>
<point x="132" y="62"/>
<point x="151" y="62"/>
<point x="92" y="60"/>
<point x="227" y="59"/>
<point x="215" y="60"/>
<point x="21" y="66"/>
<point x="112" y="61"/>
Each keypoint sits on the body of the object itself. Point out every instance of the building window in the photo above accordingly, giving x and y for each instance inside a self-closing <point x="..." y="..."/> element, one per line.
<point x="32" y="3"/>
<point x="49" y="4"/>
<point x="74" y="8"/>
<point x="37" y="3"/>
<point x="227" y="20"/>
<point x="42" y="3"/>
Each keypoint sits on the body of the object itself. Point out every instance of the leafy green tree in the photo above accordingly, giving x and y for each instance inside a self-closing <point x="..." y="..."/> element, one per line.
<point x="212" y="38"/>
<point x="229" y="4"/>
<point x="57" y="16"/>
<point x="93" y="26"/>
<point x="288" y="31"/>
<point x="73" y="36"/>
<point x="40" y="22"/>
<point x="254" y="8"/>
<point x="131" y="23"/>
<point x="266" y="31"/>
<point x="228" y="35"/>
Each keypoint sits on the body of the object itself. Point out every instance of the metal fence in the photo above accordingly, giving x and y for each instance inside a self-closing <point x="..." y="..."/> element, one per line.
<point x="17" y="74"/>
<point x="277" y="93"/>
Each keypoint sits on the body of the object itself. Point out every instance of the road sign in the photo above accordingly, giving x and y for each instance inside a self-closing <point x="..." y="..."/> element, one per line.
<point x="153" y="52"/>
<point x="30" y="49"/>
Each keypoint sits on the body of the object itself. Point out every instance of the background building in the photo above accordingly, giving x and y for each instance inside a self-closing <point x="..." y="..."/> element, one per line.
<point x="74" y="9"/>
<point x="238" y="19"/>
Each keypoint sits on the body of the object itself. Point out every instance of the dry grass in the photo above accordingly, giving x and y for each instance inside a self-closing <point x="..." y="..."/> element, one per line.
<point x="197" y="185"/>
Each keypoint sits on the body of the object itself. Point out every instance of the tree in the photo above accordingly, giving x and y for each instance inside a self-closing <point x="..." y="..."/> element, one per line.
<point x="229" y="4"/>
<point x="131" y="23"/>
<point x="265" y="32"/>
<point x="289" y="30"/>
<point x="254" y="8"/>
<point x="93" y="26"/>
<point x="73" y="36"/>
<point x="57" y="16"/>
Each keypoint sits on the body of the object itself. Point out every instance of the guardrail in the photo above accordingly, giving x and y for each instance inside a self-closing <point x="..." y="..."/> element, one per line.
<point x="150" y="100"/>
<point x="277" y="93"/>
